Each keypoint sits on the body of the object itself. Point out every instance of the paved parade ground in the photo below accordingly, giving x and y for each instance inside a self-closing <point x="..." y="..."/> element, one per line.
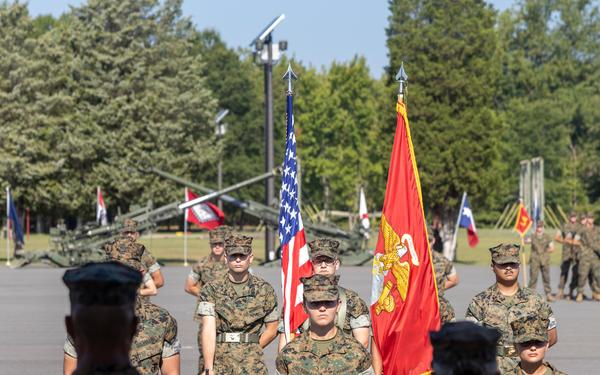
<point x="34" y="302"/>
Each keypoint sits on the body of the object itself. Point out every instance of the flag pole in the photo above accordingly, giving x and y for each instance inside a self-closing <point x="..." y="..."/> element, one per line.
<point x="185" y="229"/>
<point x="523" y="261"/>
<point x="98" y="220"/>
<point x="455" y="236"/>
<point x="8" y="229"/>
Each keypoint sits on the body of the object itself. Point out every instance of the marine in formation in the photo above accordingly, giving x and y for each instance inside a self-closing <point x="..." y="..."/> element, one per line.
<point x="323" y="348"/>
<point x="239" y="315"/>
<point x="506" y="301"/>
<point x="530" y="335"/>
<point x="541" y="247"/>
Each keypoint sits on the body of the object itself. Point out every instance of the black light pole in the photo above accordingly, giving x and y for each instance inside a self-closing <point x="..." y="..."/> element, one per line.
<point x="220" y="130"/>
<point x="269" y="153"/>
<point x="269" y="54"/>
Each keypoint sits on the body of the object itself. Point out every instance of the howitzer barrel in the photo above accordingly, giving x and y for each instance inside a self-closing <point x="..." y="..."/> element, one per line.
<point x="205" y="190"/>
<point x="237" y="186"/>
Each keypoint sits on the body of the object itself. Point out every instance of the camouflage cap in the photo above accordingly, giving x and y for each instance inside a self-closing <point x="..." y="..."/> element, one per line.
<point x="530" y="328"/>
<point x="324" y="247"/>
<point x="505" y="253"/>
<point x="219" y="234"/>
<point x="129" y="225"/>
<point x="539" y="224"/>
<point x="460" y="341"/>
<point x="321" y="288"/>
<point x="108" y="284"/>
<point x="238" y="244"/>
<point x="573" y="213"/>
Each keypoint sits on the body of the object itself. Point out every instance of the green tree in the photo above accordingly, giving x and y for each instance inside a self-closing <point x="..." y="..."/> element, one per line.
<point x="550" y="54"/>
<point x="33" y="110"/>
<point x="138" y="99"/>
<point x="338" y="118"/>
<point x="449" y="51"/>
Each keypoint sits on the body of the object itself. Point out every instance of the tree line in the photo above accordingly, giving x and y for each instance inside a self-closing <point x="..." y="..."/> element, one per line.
<point x="88" y="98"/>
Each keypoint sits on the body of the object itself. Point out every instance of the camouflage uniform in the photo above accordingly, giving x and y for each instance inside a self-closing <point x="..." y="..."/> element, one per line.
<point x="540" y="261"/>
<point x="342" y="354"/>
<point x="589" y="259"/>
<point x="345" y="355"/>
<point x="239" y="317"/>
<point x="155" y="338"/>
<point x="443" y="268"/>
<point x="148" y="260"/>
<point x="569" y="257"/>
<point x="491" y="308"/>
<point x="532" y="328"/>
<point x="205" y="271"/>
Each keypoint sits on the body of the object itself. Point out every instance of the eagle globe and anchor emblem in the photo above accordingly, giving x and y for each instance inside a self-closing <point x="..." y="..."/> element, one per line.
<point x="395" y="249"/>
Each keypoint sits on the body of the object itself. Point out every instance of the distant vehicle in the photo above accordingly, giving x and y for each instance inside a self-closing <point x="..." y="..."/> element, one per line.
<point x="86" y="243"/>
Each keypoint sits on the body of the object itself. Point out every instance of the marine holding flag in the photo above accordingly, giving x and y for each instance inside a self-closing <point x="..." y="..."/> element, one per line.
<point x="404" y="304"/>
<point x="295" y="262"/>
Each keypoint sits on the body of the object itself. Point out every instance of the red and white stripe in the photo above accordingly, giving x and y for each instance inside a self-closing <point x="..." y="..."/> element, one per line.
<point x="295" y="264"/>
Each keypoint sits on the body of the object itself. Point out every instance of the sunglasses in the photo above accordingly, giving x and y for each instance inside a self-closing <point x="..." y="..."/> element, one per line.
<point x="315" y="305"/>
<point x="323" y="260"/>
<point x="234" y="257"/>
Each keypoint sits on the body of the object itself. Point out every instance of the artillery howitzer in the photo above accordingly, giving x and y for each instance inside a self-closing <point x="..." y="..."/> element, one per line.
<point x="86" y="243"/>
<point x="352" y="243"/>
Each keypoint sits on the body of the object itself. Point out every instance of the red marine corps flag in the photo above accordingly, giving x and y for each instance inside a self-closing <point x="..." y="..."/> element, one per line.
<point x="404" y="304"/>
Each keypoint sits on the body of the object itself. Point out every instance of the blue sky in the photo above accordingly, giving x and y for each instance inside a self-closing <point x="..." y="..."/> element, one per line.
<point x="318" y="31"/>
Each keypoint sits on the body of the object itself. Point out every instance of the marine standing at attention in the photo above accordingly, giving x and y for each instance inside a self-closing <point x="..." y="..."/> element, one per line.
<point x="531" y="342"/>
<point x="565" y="236"/>
<point x="506" y="301"/>
<point x="239" y="315"/>
<point x="323" y="348"/>
<point x="541" y="247"/>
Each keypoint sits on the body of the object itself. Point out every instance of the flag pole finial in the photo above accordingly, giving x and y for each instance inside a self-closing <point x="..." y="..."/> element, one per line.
<point x="402" y="78"/>
<point x="290" y="76"/>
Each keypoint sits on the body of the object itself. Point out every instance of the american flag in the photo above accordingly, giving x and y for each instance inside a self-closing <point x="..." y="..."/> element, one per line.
<point x="295" y="262"/>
